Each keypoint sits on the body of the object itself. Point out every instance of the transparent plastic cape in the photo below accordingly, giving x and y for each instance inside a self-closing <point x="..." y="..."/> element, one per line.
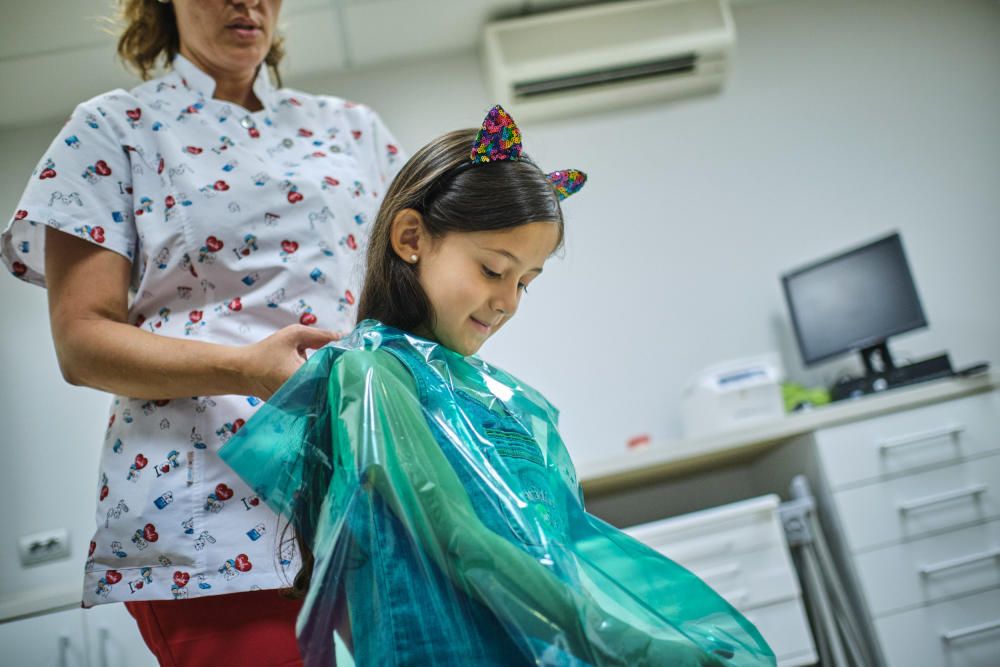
<point x="448" y="526"/>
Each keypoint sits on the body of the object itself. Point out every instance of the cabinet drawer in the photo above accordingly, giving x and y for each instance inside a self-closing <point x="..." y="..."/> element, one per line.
<point x="963" y="632"/>
<point x="786" y="631"/>
<point x="932" y="568"/>
<point x="739" y="550"/>
<point x="935" y="434"/>
<point x="931" y="501"/>
<point x="745" y="526"/>
<point x="748" y="579"/>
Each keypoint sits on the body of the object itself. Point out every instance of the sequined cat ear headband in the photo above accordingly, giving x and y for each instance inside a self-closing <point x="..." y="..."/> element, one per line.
<point x="500" y="139"/>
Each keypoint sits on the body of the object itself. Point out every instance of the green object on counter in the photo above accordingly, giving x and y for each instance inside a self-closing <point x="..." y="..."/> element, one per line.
<point x="797" y="397"/>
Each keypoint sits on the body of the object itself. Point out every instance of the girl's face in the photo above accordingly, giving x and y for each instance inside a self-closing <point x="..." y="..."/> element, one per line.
<point x="475" y="280"/>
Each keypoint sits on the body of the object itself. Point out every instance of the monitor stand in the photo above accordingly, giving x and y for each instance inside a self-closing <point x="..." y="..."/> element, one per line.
<point x="882" y="373"/>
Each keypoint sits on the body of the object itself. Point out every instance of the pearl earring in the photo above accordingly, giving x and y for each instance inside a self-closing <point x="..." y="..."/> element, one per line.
<point x="413" y="258"/>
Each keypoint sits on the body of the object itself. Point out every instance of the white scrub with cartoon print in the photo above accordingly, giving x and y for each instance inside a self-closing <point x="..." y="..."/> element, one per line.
<point x="237" y="224"/>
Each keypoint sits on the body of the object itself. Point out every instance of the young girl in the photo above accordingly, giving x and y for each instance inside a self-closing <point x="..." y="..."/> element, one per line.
<point x="438" y="510"/>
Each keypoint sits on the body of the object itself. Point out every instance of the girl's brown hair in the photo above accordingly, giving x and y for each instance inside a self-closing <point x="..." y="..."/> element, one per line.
<point x="453" y="195"/>
<point x="151" y="31"/>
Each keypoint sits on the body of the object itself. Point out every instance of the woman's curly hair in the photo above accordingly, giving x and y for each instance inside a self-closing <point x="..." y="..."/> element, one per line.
<point x="150" y="31"/>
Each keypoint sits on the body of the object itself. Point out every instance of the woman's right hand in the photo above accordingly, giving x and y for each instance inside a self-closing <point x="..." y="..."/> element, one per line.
<point x="268" y="363"/>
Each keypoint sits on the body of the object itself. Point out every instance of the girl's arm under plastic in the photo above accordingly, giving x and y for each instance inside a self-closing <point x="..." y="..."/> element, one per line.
<point x="399" y="458"/>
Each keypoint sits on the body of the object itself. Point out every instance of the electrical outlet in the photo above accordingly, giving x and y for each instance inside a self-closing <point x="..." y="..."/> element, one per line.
<point x="43" y="547"/>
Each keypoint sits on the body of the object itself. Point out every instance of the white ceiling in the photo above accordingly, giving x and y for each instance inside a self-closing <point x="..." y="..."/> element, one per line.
<point x="57" y="53"/>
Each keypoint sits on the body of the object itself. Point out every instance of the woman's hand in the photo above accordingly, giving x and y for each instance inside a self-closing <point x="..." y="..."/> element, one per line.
<point x="271" y="361"/>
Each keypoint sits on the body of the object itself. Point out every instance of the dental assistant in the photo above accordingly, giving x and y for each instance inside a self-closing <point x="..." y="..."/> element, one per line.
<point x="196" y="236"/>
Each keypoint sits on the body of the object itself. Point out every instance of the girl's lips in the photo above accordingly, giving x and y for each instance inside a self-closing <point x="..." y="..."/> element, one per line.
<point x="485" y="328"/>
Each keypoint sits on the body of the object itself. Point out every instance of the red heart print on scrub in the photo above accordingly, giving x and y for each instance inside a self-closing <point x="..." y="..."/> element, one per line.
<point x="21" y="214"/>
<point x="18" y="269"/>
<point x="289" y="246"/>
<point x="356" y="134"/>
<point x="97" y="233"/>
<point x="181" y="578"/>
<point x="195" y="316"/>
<point x="149" y="532"/>
<point x="304" y="132"/>
<point x="104" y="492"/>
<point x="193" y="150"/>
<point x="170" y="201"/>
<point x="48" y="172"/>
<point x="112" y="576"/>
<point x="221" y="186"/>
<point x="307" y="319"/>
<point x="236" y="304"/>
<point x="102" y="168"/>
<point x="140" y="461"/>
<point x="331" y="181"/>
<point x="237" y="425"/>
<point x="349" y="297"/>
<point x="223" y="492"/>
<point x="294" y="196"/>
<point x="213" y="244"/>
<point x="242" y="563"/>
<point x="134" y="114"/>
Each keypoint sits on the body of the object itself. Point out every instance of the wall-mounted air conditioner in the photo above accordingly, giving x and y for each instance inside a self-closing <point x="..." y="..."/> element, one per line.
<point x="607" y="55"/>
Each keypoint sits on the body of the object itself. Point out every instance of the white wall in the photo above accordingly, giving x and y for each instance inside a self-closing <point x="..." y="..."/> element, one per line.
<point x="841" y="121"/>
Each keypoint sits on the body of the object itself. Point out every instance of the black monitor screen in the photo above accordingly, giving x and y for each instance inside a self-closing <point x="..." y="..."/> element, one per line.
<point x="853" y="300"/>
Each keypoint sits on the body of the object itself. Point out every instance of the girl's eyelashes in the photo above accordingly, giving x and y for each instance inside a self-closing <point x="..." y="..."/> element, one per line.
<point x="493" y="275"/>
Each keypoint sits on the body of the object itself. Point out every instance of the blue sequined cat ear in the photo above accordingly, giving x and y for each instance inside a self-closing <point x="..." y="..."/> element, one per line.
<point x="498" y="139"/>
<point x="567" y="182"/>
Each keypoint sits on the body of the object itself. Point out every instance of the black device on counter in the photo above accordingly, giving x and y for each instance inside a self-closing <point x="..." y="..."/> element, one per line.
<point x="855" y="301"/>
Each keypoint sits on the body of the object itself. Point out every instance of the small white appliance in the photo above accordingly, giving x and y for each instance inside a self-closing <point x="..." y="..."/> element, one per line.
<point x="732" y="394"/>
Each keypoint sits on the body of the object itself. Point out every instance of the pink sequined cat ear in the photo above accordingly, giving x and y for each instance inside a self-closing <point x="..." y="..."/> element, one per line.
<point x="567" y="182"/>
<point x="498" y="139"/>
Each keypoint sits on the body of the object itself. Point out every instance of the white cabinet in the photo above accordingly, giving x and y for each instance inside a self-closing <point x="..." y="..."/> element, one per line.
<point x="916" y="497"/>
<point x="104" y="636"/>
<point x="740" y="551"/>
<point x="114" y="639"/>
<point x="50" y="640"/>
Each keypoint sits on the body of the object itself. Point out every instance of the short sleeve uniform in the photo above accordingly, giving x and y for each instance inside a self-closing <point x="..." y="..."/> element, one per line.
<point x="237" y="223"/>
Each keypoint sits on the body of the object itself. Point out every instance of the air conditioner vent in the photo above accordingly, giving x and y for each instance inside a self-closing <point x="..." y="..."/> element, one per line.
<point x="667" y="67"/>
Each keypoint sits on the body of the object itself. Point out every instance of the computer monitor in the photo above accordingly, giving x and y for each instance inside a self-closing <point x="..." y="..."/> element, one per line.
<point x="854" y="302"/>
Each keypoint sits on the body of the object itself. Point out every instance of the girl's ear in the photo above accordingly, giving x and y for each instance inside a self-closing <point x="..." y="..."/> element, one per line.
<point x="408" y="235"/>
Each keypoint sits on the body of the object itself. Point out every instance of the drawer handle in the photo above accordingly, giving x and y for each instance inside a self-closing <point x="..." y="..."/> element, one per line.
<point x="927" y="501"/>
<point x="737" y="597"/>
<point x="891" y="444"/>
<point x="63" y="651"/>
<point x="962" y="633"/>
<point x="721" y="571"/>
<point x="928" y="570"/>
<point x="694" y="555"/>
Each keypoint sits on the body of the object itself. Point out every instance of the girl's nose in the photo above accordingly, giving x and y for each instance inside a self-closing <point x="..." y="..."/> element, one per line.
<point x="505" y="301"/>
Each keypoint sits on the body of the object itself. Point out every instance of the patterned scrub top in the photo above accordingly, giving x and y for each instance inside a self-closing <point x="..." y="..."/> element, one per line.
<point x="237" y="223"/>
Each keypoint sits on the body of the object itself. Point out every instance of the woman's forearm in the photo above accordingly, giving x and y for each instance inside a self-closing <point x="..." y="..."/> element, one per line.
<point x="121" y="359"/>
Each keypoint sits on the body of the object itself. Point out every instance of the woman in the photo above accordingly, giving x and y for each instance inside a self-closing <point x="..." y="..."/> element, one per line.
<point x="197" y="235"/>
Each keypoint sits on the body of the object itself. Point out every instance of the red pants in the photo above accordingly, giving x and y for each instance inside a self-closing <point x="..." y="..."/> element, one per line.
<point x="255" y="628"/>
